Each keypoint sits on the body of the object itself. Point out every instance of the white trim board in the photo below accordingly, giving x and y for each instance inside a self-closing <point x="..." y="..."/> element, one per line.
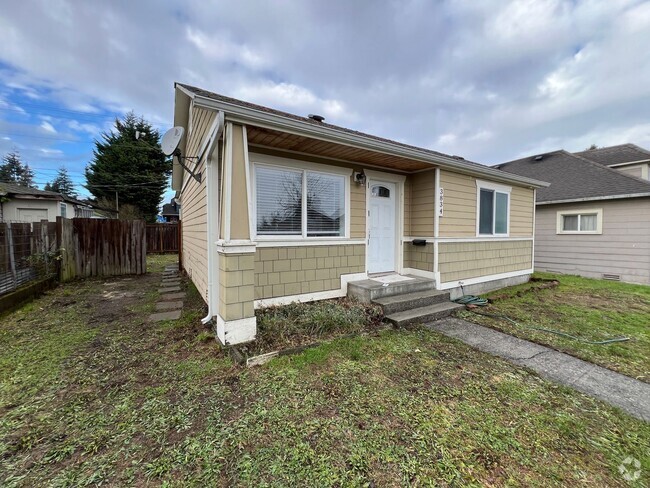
<point x="236" y="331"/>
<point x="483" y="279"/>
<point x="304" y="243"/>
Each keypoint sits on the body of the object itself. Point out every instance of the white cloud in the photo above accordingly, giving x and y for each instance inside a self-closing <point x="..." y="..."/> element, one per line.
<point x="47" y="127"/>
<point x="485" y="80"/>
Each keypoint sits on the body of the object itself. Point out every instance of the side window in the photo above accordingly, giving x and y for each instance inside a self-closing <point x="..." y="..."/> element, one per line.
<point x="493" y="212"/>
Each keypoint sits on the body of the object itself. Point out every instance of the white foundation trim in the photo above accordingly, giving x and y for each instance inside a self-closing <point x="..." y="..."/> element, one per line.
<point x="304" y="243"/>
<point x="227" y="182"/>
<point x="236" y="331"/>
<point x="483" y="279"/>
<point x="312" y="297"/>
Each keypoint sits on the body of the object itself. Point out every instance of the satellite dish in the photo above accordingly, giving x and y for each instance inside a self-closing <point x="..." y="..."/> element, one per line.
<point x="171" y="140"/>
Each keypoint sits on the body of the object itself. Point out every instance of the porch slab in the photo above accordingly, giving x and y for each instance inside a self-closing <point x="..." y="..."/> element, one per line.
<point x="369" y="290"/>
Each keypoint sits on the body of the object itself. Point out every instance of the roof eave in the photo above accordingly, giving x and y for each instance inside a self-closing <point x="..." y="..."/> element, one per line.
<point x="593" y="199"/>
<point x="247" y="115"/>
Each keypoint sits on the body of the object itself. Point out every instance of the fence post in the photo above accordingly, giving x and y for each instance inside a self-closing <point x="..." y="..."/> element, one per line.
<point x="12" y="257"/>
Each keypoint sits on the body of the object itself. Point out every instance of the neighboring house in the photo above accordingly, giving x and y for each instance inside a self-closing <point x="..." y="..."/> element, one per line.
<point x="593" y="220"/>
<point x="23" y="204"/>
<point x="291" y="208"/>
<point x="170" y="211"/>
<point x="626" y="158"/>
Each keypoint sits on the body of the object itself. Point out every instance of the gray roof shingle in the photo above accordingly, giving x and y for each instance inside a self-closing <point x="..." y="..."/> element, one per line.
<point x="15" y="189"/>
<point x="624" y="153"/>
<point x="575" y="178"/>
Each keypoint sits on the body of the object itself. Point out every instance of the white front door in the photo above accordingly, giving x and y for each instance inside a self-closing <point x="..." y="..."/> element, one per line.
<point x="381" y="229"/>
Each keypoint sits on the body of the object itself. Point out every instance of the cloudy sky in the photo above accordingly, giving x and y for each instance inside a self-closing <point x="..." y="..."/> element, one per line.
<point x="488" y="80"/>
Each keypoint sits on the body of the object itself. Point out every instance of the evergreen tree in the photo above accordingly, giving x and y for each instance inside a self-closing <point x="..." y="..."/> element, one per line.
<point x="13" y="170"/>
<point x="592" y="147"/>
<point x="62" y="184"/>
<point x="136" y="169"/>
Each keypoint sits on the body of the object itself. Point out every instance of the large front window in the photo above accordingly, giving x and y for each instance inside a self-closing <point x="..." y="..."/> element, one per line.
<point x="299" y="202"/>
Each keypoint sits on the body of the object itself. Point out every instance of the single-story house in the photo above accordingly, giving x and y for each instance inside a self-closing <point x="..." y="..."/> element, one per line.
<point x="592" y="220"/>
<point x="20" y="203"/>
<point x="627" y="158"/>
<point x="291" y="208"/>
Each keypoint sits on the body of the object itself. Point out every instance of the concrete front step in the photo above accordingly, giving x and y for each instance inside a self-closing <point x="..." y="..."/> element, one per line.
<point x="371" y="290"/>
<point x="422" y="315"/>
<point x="399" y="303"/>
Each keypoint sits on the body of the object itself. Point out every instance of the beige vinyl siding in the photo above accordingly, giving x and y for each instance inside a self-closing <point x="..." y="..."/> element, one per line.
<point x="466" y="260"/>
<point x="287" y="271"/>
<point x="193" y="206"/>
<point x="638" y="170"/>
<point x="459" y="217"/>
<point x="407" y="206"/>
<point x="357" y="210"/>
<point x="622" y="249"/>
<point x="522" y="206"/>
<point x="422" y="196"/>
<point x="239" y="228"/>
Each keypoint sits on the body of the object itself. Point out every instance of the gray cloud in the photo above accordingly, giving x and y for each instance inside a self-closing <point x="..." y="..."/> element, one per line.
<point x="487" y="80"/>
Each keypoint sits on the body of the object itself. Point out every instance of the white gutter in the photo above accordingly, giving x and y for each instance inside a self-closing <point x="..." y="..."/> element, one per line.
<point x="593" y="199"/>
<point x="212" y="202"/>
<point x="618" y="165"/>
<point x="252" y="116"/>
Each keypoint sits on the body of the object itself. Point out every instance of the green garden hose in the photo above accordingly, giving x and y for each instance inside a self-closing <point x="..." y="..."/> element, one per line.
<point x="481" y="302"/>
<point x="551" y="331"/>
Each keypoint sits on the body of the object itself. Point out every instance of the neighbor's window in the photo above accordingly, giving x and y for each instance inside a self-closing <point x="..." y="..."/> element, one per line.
<point x="299" y="203"/>
<point x="493" y="211"/>
<point x="64" y="210"/>
<point x="587" y="222"/>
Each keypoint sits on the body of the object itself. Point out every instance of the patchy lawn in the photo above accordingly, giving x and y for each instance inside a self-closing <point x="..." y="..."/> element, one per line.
<point x="595" y="310"/>
<point x="91" y="393"/>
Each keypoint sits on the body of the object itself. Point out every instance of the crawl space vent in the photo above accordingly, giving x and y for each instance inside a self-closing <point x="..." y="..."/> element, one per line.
<point x="612" y="277"/>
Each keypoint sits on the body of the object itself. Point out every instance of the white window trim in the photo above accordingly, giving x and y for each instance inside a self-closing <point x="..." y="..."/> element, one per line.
<point x="599" y="221"/>
<point x="63" y="205"/>
<point x="496" y="187"/>
<point x="302" y="167"/>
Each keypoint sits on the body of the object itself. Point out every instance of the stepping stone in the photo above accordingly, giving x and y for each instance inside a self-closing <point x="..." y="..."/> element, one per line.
<point x="157" y="317"/>
<point x="174" y="280"/>
<point x="170" y="289"/>
<point x="173" y="296"/>
<point x="169" y="305"/>
<point x="171" y="268"/>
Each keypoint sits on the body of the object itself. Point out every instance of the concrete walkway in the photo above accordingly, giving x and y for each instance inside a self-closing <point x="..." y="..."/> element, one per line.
<point x="628" y="394"/>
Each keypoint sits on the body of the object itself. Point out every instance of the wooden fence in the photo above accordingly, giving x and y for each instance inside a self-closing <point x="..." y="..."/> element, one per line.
<point x="98" y="247"/>
<point x="162" y="238"/>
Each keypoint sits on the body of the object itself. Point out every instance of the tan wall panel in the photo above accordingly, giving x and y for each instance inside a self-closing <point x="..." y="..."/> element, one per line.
<point x="287" y="271"/>
<point x="459" y="218"/>
<point x="466" y="260"/>
<point x="239" y="223"/>
<point x="522" y="206"/>
<point x="422" y="206"/>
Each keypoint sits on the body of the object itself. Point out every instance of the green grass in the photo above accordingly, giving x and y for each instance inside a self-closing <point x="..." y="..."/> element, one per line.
<point x="595" y="310"/>
<point x="93" y="394"/>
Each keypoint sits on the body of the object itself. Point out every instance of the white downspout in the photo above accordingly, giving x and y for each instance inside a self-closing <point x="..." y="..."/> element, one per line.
<point x="212" y="202"/>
